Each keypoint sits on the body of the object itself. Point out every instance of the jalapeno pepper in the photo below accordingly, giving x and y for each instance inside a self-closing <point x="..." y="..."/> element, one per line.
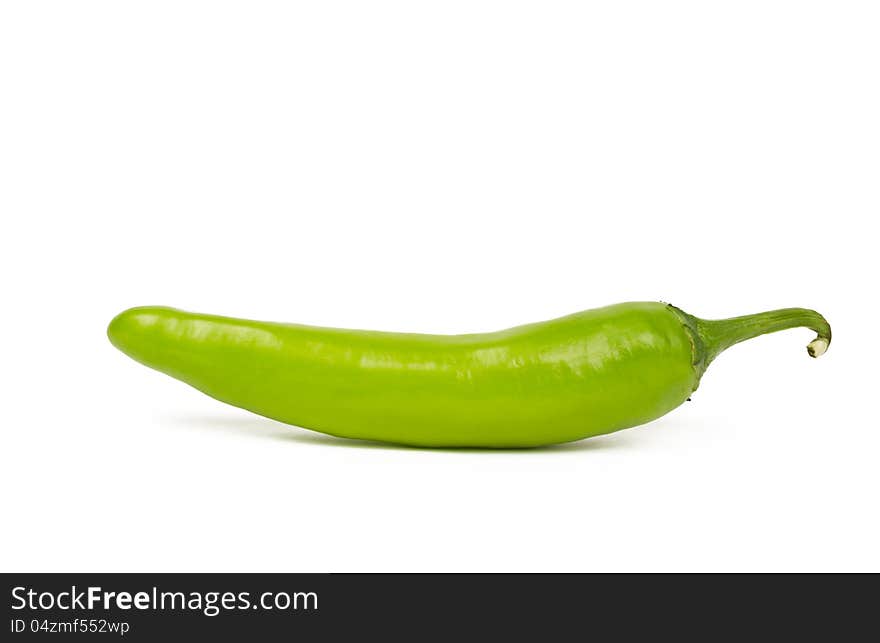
<point x="586" y="374"/>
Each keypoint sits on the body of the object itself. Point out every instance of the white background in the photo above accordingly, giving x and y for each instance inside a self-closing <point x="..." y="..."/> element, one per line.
<point x="437" y="167"/>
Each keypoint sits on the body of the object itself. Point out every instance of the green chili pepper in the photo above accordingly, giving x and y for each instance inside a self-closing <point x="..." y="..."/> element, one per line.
<point x="565" y="379"/>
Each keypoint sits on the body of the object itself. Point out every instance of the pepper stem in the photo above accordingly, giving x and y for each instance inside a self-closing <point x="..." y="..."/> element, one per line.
<point x="720" y="334"/>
